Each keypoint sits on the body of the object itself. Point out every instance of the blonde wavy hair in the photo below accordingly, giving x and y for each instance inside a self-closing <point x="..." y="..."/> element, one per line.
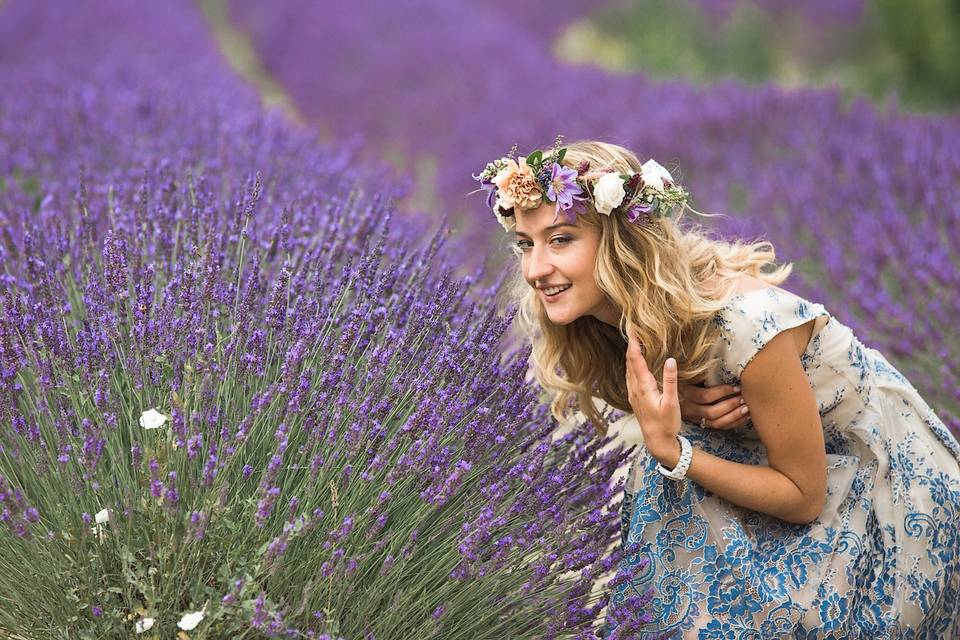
<point x="668" y="281"/>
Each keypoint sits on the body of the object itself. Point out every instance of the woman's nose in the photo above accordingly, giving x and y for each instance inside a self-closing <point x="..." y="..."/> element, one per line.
<point x="538" y="265"/>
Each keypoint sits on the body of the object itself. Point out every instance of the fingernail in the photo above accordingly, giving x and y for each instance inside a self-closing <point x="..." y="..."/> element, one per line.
<point x="736" y="389"/>
<point x="744" y="409"/>
<point x="741" y="400"/>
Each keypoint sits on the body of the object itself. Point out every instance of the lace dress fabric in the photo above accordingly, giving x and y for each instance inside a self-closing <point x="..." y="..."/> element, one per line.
<point x="883" y="558"/>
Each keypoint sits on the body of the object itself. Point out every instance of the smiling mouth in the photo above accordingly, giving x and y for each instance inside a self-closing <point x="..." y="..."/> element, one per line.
<point x="555" y="292"/>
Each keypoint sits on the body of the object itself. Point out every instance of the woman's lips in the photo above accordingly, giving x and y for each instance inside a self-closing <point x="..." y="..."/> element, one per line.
<point x="555" y="296"/>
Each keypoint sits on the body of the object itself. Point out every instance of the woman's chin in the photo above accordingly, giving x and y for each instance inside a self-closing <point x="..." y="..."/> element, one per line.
<point x="558" y="317"/>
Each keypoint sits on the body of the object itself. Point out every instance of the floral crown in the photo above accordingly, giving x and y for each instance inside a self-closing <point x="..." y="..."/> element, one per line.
<point x="510" y="183"/>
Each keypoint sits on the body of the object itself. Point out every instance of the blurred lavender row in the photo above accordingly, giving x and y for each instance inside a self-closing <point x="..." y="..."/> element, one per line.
<point x="74" y="98"/>
<point x="864" y="201"/>
<point x="238" y="387"/>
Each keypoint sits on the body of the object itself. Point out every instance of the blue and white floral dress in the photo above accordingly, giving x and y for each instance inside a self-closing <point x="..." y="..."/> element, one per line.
<point x="882" y="560"/>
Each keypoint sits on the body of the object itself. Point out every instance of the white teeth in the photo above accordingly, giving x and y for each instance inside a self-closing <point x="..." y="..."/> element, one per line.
<point x="555" y="290"/>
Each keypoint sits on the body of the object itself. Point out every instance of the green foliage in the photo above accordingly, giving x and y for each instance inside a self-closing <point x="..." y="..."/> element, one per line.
<point x="907" y="50"/>
<point x="924" y="35"/>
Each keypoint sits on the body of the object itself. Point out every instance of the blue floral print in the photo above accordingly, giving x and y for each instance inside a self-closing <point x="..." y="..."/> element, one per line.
<point x="883" y="558"/>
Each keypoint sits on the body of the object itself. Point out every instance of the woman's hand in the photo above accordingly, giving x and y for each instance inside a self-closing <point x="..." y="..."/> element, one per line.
<point x="657" y="413"/>
<point x="721" y="406"/>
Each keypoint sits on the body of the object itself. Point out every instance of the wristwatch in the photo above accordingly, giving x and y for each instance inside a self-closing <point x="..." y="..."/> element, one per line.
<point x="679" y="472"/>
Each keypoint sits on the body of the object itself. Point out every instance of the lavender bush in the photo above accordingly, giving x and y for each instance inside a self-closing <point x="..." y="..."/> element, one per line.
<point x="862" y="199"/>
<point x="241" y="394"/>
<point x="335" y="447"/>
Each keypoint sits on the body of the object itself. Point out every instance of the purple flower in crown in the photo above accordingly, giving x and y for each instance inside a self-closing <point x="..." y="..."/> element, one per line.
<point x="569" y="216"/>
<point x="638" y="210"/>
<point x="563" y="186"/>
<point x="491" y="190"/>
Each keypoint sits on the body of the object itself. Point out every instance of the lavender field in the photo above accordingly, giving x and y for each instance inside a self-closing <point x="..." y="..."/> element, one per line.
<point x="862" y="199"/>
<point x="253" y="378"/>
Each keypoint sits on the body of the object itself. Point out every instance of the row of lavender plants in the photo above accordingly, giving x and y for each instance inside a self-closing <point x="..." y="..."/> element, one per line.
<point x="863" y="200"/>
<point x="239" y="397"/>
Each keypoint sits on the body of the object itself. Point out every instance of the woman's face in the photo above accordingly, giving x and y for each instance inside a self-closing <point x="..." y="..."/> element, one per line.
<point x="562" y="255"/>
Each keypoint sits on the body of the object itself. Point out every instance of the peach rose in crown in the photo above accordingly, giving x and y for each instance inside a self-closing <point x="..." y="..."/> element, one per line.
<point x="517" y="186"/>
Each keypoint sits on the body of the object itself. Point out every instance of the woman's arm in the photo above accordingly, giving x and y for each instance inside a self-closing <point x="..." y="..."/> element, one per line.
<point x="793" y="485"/>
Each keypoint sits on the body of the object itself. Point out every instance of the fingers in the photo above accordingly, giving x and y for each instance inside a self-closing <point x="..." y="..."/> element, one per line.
<point x="723" y="408"/>
<point x="670" y="382"/>
<point x="634" y="348"/>
<point x="709" y="395"/>
<point x="637" y="370"/>
<point x="730" y="420"/>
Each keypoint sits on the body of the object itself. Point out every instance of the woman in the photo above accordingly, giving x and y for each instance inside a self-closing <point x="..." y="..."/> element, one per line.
<point x="807" y="491"/>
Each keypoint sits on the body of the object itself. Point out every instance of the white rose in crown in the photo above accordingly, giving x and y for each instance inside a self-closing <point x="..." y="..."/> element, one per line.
<point x="655" y="176"/>
<point x="608" y="193"/>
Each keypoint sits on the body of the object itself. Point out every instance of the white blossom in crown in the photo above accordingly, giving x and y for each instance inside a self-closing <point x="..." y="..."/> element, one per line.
<point x="608" y="193"/>
<point x="655" y="176"/>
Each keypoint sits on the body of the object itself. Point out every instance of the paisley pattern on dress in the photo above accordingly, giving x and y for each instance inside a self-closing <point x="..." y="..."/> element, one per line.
<point x="883" y="558"/>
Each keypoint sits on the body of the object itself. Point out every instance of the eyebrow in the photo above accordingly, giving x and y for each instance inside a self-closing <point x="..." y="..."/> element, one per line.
<point x="550" y="228"/>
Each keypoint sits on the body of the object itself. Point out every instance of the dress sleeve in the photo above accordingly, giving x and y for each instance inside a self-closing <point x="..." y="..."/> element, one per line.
<point x="751" y="320"/>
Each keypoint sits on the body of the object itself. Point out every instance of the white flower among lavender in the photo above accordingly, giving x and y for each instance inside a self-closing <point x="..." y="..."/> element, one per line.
<point x="100" y="521"/>
<point x="189" y="621"/>
<point x="152" y="419"/>
<point x="608" y="193"/>
<point x="143" y="625"/>
<point x="655" y="176"/>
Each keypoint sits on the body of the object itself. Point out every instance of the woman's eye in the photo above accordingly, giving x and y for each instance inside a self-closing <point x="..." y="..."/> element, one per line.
<point x="526" y="244"/>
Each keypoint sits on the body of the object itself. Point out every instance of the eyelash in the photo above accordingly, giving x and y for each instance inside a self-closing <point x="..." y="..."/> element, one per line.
<point x="566" y="240"/>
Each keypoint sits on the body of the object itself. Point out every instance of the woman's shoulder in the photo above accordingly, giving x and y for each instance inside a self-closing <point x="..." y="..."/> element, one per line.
<point x="756" y="300"/>
<point x="753" y="293"/>
<point x="756" y="312"/>
<point x="747" y="284"/>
